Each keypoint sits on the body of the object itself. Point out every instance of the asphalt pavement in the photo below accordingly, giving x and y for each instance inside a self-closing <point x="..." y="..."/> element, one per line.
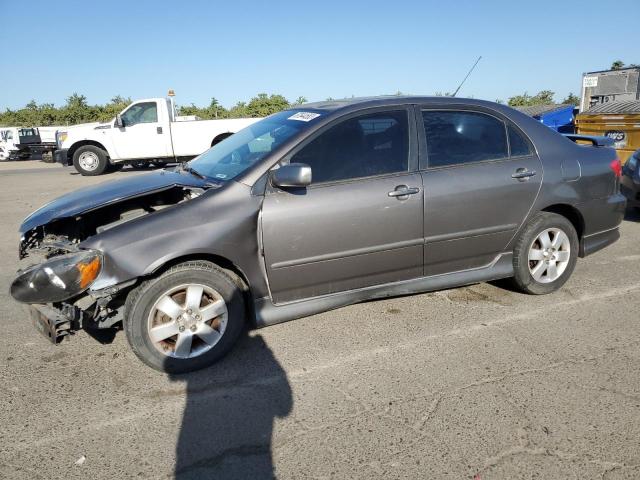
<point x="478" y="382"/>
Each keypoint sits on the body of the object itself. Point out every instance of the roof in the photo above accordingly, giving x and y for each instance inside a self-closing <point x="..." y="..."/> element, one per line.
<point x="611" y="71"/>
<point x="537" y="110"/>
<point x="344" y="102"/>
<point x="379" y="101"/>
<point x="629" y="107"/>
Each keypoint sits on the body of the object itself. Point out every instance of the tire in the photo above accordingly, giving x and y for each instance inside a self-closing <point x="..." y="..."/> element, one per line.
<point x="90" y="160"/>
<point x="47" y="157"/>
<point x="220" y="138"/>
<point x="539" y="277"/>
<point x="142" y="315"/>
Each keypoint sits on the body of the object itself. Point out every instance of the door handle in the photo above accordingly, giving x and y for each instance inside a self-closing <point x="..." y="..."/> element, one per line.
<point x="159" y="130"/>
<point x="523" y="174"/>
<point x="402" y="192"/>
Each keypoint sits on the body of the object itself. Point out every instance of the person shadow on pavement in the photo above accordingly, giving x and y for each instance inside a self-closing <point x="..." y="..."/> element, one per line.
<point x="227" y="424"/>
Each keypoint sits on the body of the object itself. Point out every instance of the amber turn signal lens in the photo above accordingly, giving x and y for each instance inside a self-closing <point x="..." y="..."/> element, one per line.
<point x="88" y="271"/>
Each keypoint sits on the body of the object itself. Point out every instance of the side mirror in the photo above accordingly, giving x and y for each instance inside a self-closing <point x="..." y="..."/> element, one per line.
<point x="118" y="123"/>
<point x="292" y="175"/>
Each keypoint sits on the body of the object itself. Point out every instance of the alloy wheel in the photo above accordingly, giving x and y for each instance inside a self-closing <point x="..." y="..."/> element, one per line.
<point x="549" y="255"/>
<point x="187" y="321"/>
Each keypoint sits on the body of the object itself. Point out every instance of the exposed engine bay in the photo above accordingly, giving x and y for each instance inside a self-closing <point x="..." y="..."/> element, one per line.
<point x="63" y="235"/>
<point x="52" y="264"/>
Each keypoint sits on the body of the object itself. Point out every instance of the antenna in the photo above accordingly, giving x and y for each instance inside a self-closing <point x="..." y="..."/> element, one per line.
<point x="465" y="78"/>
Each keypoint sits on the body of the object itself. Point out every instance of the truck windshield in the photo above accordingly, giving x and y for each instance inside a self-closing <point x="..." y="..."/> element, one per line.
<point x="235" y="154"/>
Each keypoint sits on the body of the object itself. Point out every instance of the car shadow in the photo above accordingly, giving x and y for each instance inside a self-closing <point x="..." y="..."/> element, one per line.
<point x="632" y="215"/>
<point x="228" y="419"/>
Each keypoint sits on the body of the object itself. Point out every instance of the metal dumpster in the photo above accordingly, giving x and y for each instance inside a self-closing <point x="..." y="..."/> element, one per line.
<point x="617" y="120"/>
<point x="558" y="117"/>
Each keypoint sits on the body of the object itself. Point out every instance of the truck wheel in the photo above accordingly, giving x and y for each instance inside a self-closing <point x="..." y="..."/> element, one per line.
<point x="186" y="319"/>
<point x="90" y="160"/>
<point x="545" y="254"/>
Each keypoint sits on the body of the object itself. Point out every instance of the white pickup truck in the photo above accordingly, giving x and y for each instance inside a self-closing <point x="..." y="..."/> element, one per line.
<point x="148" y="131"/>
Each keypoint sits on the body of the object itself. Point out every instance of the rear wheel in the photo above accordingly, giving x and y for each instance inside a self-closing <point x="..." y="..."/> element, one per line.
<point x="186" y="319"/>
<point x="90" y="160"/>
<point x="545" y="254"/>
<point x="47" y="157"/>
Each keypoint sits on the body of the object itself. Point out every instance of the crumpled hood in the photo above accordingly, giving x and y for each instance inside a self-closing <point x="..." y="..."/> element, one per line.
<point x="90" y="198"/>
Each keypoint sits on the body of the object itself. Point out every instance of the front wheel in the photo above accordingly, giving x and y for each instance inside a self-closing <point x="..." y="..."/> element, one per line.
<point x="186" y="319"/>
<point x="90" y="160"/>
<point x="545" y="254"/>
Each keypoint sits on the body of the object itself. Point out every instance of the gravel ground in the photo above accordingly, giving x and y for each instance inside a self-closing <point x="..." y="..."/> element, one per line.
<point x="475" y="382"/>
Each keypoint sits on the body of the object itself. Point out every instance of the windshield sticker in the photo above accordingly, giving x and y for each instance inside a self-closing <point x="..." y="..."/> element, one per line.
<point x="304" y="116"/>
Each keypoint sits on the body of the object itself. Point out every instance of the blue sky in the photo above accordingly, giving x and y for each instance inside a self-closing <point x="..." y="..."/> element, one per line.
<point x="317" y="49"/>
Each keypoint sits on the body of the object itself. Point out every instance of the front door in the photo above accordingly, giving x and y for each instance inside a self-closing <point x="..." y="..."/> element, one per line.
<point x="143" y="135"/>
<point x="359" y="223"/>
<point x="481" y="177"/>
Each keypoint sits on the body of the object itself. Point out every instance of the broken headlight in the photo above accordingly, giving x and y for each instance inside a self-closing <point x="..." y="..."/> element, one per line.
<point x="58" y="279"/>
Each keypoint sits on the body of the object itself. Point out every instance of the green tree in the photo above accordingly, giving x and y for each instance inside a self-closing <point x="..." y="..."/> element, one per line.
<point x="544" y="97"/>
<point x="239" y="110"/>
<point x="186" y="110"/>
<point x="215" y="110"/>
<point x="114" y="107"/>
<point x="571" y="99"/>
<point x="617" y="65"/>
<point x="77" y="110"/>
<point x="264" y="105"/>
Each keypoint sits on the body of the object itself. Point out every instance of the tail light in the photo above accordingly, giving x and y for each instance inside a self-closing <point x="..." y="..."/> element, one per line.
<point x="616" y="166"/>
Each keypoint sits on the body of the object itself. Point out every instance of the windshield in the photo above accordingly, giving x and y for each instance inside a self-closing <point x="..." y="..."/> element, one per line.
<point x="229" y="158"/>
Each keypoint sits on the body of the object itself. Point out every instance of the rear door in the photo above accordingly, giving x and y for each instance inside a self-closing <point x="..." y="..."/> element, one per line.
<point x="360" y="222"/>
<point x="145" y="133"/>
<point x="481" y="177"/>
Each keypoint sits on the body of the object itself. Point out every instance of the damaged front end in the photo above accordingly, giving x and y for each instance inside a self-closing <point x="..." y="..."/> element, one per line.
<point x="57" y="273"/>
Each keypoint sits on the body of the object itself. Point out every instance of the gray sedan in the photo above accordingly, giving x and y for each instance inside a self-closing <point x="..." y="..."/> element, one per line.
<point x="314" y="208"/>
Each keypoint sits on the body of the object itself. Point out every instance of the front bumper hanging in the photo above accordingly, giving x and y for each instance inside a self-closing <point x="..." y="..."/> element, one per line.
<point x="54" y="324"/>
<point x="60" y="156"/>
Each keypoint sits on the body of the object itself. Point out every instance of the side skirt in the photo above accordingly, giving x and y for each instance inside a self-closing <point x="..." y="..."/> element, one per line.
<point x="267" y="313"/>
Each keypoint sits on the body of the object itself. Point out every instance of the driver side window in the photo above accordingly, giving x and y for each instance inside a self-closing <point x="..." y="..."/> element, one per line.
<point x="146" y="112"/>
<point x="363" y="146"/>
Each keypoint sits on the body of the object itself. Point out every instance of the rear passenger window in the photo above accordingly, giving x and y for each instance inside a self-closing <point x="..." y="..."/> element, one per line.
<point x="519" y="145"/>
<point x="373" y="144"/>
<point x="455" y="138"/>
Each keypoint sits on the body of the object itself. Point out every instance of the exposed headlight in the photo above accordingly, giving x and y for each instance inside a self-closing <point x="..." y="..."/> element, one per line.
<point x="58" y="279"/>
<point x="60" y="138"/>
